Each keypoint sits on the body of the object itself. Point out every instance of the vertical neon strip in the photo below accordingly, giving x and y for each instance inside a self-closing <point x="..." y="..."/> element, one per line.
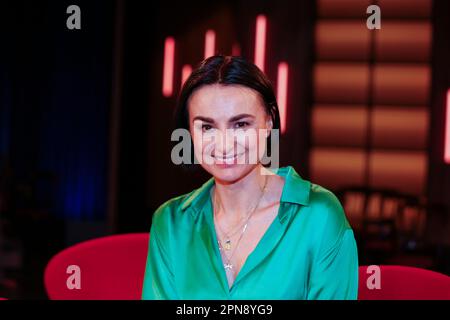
<point x="185" y="73"/>
<point x="210" y="43"/>
<point x="282" y="88"/>
<point x="260" y="41"/>
<point x="236" y="49"/>
<point x="169" y="57"/>
<point x="447" y="130"/>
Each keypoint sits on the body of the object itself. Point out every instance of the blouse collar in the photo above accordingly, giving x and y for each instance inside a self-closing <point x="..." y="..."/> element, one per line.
<point x="296" y="190"/>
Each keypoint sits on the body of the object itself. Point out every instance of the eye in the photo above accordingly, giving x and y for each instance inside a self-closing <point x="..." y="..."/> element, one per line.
<point x="206" y="127"/>
<point x="241" y="124"/>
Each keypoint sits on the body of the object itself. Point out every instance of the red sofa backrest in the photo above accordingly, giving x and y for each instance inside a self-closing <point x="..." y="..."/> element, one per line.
<point x="111" y="268"/>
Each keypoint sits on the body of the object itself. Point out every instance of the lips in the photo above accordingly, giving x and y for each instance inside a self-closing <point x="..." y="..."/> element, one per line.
<point x="227" y="160"/>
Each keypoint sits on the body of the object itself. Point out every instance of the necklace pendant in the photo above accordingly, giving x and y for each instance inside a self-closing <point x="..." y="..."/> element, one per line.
<point x="227" y="245"/>
<point x="228" y="266"/>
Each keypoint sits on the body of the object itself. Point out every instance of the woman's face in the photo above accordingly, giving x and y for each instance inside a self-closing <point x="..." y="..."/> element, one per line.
<point x="229" y="126"/>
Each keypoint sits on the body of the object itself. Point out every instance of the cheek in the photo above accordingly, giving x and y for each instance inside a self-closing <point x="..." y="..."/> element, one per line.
<point x="203" y="144"/>
<point x="196" y="139"/>
<point x="252" y="140"/>
<point x="245" y="142"/>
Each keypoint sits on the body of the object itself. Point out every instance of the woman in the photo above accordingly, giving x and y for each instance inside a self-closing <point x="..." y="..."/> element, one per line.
<point x="249" y="232"/>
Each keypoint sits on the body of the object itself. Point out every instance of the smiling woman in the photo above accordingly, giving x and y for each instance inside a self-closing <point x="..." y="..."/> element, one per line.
<point x="250" y="232"/>
<point x="221" y="119"/>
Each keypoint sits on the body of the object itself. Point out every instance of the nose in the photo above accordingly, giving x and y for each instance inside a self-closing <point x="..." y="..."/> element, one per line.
<point x="224" y="144"/>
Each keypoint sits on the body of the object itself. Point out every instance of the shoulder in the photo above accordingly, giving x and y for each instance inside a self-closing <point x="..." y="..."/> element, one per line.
<point x="327" y="212"/>
<point x="166" y="214"/>
<point x="175" y="213"/>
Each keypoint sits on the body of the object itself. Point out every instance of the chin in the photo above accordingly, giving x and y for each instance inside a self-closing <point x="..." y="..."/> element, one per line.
<point x="229" y="173"/>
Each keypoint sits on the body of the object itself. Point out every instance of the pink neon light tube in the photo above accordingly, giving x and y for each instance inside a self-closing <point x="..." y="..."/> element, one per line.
<point x="282" y="90"/>
<point x="210" y="43"/>
<point x="260" y="41"/>
<point x="169" y="60"/>
<point x="185" y="73"/>
<point x="447" y="130"/>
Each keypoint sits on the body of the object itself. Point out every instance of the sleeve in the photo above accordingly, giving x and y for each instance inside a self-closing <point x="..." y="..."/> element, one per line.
<point x="334" y="273"/>
<point x="158" y="278"/>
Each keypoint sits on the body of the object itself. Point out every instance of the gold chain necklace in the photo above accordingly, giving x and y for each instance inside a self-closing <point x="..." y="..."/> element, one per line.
<point x="228" y="265"/>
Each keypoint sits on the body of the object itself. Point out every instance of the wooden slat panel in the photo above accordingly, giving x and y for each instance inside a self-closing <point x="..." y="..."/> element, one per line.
<point x="402" y="171"/>
<point x="338" y="167"/>
<point x="341" y="83"/>
<point x="342" y="8"/>
<point x="342" y="40"/>
<point x="397" y="127"/>
<point x="403" y="42"/>
<point x="404" y="9"/>
<point x="400" y="94"/>
<point x="337" y="125"/>
<point x="402" y="85"/>
<point x="413" y="9"/>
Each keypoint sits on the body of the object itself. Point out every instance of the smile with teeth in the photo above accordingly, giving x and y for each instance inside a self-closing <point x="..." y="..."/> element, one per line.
<point x="227" y="160"/>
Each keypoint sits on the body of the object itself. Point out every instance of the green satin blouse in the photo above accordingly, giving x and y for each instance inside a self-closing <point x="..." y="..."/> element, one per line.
<point x="308" y="251"/>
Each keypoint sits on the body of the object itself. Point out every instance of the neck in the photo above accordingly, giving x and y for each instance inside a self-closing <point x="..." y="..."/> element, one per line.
<point x="236" y="198"/>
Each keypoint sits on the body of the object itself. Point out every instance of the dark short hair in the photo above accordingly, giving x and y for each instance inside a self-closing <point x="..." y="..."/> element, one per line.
<point x="227" y="70"/>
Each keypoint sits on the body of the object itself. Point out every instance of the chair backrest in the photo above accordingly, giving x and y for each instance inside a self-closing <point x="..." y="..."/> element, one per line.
<point x="110" y="268"/>
<point x="404" y="283"/>
<point x="364" y="205"/>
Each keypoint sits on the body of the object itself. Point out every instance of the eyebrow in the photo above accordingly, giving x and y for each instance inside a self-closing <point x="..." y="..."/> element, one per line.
<point x="232" y="119"/>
